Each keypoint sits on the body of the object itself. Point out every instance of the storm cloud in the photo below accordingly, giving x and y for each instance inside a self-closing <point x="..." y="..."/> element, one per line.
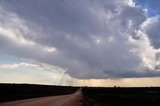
<point x="89" y="39"/>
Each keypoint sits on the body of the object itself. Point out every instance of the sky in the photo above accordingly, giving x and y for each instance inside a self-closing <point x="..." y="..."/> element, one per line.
<point x="80" y="42"/>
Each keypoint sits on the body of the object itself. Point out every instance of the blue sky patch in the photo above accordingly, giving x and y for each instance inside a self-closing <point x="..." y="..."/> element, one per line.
<point x="6" y="59"/>
<point x="153" y="6"/>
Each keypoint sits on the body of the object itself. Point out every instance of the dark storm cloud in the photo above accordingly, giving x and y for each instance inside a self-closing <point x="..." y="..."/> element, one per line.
<point x="131" y="73"/>
<point x="151" y="27"/>
<point x="84" y="37"/>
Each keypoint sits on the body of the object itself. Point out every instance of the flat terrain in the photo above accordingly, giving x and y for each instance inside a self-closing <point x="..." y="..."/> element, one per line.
<point x="75" y="99"/>
<point x="118" y="96"/>
<point x="40" y="95"/>
<point x="12" y="92"/>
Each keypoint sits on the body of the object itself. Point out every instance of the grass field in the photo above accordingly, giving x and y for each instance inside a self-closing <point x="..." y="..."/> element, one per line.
<point x="123" y="96"/>
<point x="98" y="96"/>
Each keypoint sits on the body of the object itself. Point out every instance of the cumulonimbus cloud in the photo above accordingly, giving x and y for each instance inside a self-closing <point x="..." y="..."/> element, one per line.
<point x="89" y="39"/>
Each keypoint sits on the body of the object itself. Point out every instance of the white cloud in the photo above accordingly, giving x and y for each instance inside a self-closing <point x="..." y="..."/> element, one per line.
<point x="88" y="39"/>
<point x="151" y="28"/>
<point x="33" y="73"/>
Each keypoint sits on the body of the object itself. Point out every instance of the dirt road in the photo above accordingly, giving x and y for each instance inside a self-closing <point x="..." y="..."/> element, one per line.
<point x="75" y="99"/>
